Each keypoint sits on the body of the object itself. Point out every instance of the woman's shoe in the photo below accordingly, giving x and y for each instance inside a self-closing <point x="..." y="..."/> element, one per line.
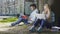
<point x="32" y="29"/>
<point x="39" y="29"/>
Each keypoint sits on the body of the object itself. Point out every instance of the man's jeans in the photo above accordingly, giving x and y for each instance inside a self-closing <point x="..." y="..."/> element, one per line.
<point x="19" y="21"/>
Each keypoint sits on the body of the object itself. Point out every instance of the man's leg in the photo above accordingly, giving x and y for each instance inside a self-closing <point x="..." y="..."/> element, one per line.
<point x="25" y="21"/>
<point x="17" y="22"/>
<point x="37" y="22"/>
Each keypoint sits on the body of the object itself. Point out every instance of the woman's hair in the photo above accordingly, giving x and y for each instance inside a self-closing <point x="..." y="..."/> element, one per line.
<point x="47" y="5"/>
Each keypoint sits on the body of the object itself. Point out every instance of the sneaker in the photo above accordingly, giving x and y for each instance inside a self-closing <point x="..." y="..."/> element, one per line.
<point x="32" y="29"/>
<point x="39" y="29"/>
<point x="11" y="25"/>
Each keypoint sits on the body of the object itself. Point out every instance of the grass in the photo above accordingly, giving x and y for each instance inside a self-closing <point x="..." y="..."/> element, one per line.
<point x="12" y="19"/>
<point x="24" y="30"/>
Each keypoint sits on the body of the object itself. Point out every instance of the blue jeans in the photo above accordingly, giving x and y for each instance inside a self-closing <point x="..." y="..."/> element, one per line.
<point x="43" y="23"/>
<point x="19" y="21"/>
<point x="39" y="22"/>
<point x="48" y="24"/>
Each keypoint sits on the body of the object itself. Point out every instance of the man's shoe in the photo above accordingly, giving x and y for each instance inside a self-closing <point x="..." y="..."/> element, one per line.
<point x="12" y="25"/>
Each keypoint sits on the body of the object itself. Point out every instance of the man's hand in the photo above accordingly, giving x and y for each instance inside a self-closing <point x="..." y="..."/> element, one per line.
<point x="25" y="17"/>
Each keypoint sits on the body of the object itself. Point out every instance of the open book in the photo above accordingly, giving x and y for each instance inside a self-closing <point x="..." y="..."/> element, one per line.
<point x="40" y="16"/>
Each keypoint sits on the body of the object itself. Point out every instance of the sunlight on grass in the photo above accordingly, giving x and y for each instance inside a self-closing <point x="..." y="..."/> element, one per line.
<point x="12" y="19"/>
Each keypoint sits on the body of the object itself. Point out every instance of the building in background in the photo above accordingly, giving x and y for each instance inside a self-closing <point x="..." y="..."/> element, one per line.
<point x="14" y="7"/>
<point x="11" y="7"/>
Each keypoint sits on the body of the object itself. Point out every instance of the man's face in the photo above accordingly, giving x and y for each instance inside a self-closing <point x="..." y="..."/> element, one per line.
<point x="32" y="8"/>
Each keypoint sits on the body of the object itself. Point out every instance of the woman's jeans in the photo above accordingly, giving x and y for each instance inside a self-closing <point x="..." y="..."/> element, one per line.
<point x="39" y="22"/>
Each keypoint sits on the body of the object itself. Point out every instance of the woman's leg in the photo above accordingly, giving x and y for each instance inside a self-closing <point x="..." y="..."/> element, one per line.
<point x="49" y="25"/>
<point x="41" y="25"/>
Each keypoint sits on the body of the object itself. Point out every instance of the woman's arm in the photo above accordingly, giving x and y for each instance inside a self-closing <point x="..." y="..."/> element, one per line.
<point x="48" y="14"/>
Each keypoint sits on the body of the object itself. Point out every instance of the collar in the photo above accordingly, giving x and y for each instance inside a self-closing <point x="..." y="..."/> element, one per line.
<point x="35" y="10"/>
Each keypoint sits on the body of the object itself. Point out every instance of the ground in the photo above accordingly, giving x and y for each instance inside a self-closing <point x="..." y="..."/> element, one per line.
<point x="21" y="29"/>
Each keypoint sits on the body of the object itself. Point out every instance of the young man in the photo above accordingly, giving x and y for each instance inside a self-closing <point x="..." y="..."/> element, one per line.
<point x="26" y="19"/>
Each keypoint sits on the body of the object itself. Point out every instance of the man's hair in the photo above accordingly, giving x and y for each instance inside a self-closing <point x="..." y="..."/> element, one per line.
<point x="34" y="5"/>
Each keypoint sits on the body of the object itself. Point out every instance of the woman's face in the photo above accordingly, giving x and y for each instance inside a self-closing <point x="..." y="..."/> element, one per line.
<point x="45" y="8"/>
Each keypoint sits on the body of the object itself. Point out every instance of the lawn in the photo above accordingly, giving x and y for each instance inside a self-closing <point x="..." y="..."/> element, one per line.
<point x="24" y="30"/>
<point x="7" y="20"/>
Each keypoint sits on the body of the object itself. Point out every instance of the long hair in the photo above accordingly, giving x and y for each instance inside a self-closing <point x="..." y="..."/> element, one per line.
<point x="48" y="6"/>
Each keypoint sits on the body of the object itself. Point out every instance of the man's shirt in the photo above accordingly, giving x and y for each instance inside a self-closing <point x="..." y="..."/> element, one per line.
<point x="33" y="15"/>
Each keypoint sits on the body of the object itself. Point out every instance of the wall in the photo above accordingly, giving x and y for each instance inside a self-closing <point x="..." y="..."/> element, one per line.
<point x="56" y="9"/>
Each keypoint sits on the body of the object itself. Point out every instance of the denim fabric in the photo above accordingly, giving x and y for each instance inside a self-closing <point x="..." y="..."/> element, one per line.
<point x="19" y="21"/>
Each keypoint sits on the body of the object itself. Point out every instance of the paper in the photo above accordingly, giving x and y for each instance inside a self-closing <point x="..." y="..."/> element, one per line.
<point x="41" y="16"/>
